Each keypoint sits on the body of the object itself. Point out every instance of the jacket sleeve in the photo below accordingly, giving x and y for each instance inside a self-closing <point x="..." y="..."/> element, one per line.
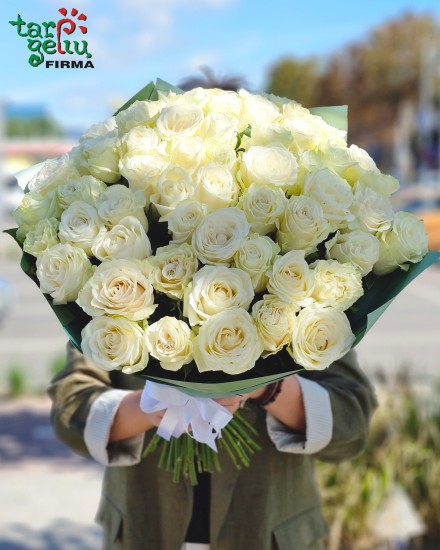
<point x="73" y="391"/>
<point x="353" y="402"/>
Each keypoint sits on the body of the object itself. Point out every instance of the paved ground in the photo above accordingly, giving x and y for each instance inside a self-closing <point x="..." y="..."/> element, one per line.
<point x="48" y="494"/>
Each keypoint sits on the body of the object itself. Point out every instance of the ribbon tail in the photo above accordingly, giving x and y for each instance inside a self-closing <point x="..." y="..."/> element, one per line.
<point x="171" y="424"/>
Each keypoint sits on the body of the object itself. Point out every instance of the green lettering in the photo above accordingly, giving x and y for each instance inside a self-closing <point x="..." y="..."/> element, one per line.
<point x="50" y="47"/>
<point x="19" y="24"/>
<point x="37" y="58"/>
<point x="84" y="48"/>
<point x="34" y="30"/>
<point x="67" y="46"/>
<point x="47" y="26"/>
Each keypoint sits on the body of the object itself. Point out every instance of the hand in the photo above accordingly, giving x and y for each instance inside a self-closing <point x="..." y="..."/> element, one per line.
<point x="235" y="402"/>
<point x="130" y="420"/>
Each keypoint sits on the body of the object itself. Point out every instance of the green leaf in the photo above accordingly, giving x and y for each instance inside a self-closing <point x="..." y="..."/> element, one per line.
<point x="13" y="233"/>
<point x="246" y="132"/>
<point x="335" y="116"/>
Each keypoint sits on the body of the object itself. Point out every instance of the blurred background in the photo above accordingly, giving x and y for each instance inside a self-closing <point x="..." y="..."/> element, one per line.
<point x="382" y="59"/>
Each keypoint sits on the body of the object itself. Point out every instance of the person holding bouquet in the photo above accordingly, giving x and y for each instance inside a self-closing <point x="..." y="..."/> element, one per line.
<point x="230" y="249"/>
<point x="273" y="504"/>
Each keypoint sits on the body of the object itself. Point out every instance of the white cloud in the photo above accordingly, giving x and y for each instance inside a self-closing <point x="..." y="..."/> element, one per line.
<point x="198" y="60"/>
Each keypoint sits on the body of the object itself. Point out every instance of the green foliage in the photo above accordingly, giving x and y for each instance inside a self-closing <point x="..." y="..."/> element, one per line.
<point x="21" y="127"/>
<point x="16" y="379"/>
<point x="402" y="450"/>
<point x="296" y="79"/>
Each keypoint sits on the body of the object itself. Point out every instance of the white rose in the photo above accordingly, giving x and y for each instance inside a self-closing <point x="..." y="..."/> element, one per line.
<point x="305" y="135"/>
<point x="85" y="188"/>
<point x="42" y="236"/>
<point x="81" y="226"/>
<point x="179" y="121"/>
<point x="188" y="152"/>
<point x="362" y="163"/>
<point x="263" y="207"/>
<point x="274" y="320"/>
<point x="118" y="202"/>
<point x="215" y="186"/>
<point x="373" y="211"/>
<point x="217" y="152"/>
<point x="223" y="102"/>
<point x="35" y="207"/>
<point x="172" y="268"/>
<point x="331" y="156"/>
<point x="219" y="127"/>
<point x="228" y="342"/>
<point x="126" y="240"/>
<point x="184" y="219"/>
<point x="214" y="289"/>
<point x="320" y="336"/>
<point x="142" y="171"/>
<point x="219" y="235"/>
<point x="291" y="279"/>
<point x="174" y="186"/>
<point x="310" y="132"/>
<point x="272" y="164"/>
<point x="357" y="247"/>
<point x="104" y="128"/>
<point x="52" y="174"/>
<point x="407" y="241"/>
<point x="171" y="342"/>
<point x="303" y="225"/>
<point x="141" y="140"/>
<point x="138" y="113"/>
<point x="115" y="343"/>
<point x="382" y="183"/>
<point x="62" y="271"/>
<point x="101" y="155"/>
<point x="272" y="135"/>
<point x="255" y="257"/>
<point x="118" y="287"/>
<point x="337" y="285"/>
<point x="256" y="110"/>
<point x="195" y="96"/>
<point x="334" y="195"/>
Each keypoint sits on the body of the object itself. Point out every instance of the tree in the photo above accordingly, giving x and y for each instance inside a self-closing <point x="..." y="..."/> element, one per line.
<point x="373" y="77"/>
<point x="296" y="79"/>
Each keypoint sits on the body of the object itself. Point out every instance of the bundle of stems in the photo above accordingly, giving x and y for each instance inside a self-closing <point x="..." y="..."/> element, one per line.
<point x="186" y="456"/>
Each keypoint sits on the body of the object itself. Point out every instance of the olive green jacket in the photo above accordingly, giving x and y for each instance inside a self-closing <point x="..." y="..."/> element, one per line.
<point x="273" y="504"/>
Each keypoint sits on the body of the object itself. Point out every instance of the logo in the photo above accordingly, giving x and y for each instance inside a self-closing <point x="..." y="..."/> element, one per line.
<point x="48" y="38"/>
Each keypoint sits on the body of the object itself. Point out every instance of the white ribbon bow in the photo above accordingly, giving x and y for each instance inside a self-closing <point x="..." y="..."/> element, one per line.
<point x="204" y="416"/>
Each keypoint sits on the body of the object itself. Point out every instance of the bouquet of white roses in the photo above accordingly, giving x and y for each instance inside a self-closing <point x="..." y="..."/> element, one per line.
<point x="217" y="241"/>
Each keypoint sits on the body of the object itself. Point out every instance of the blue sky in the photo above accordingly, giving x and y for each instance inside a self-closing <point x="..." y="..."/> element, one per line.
<point x="135" y="41"/>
